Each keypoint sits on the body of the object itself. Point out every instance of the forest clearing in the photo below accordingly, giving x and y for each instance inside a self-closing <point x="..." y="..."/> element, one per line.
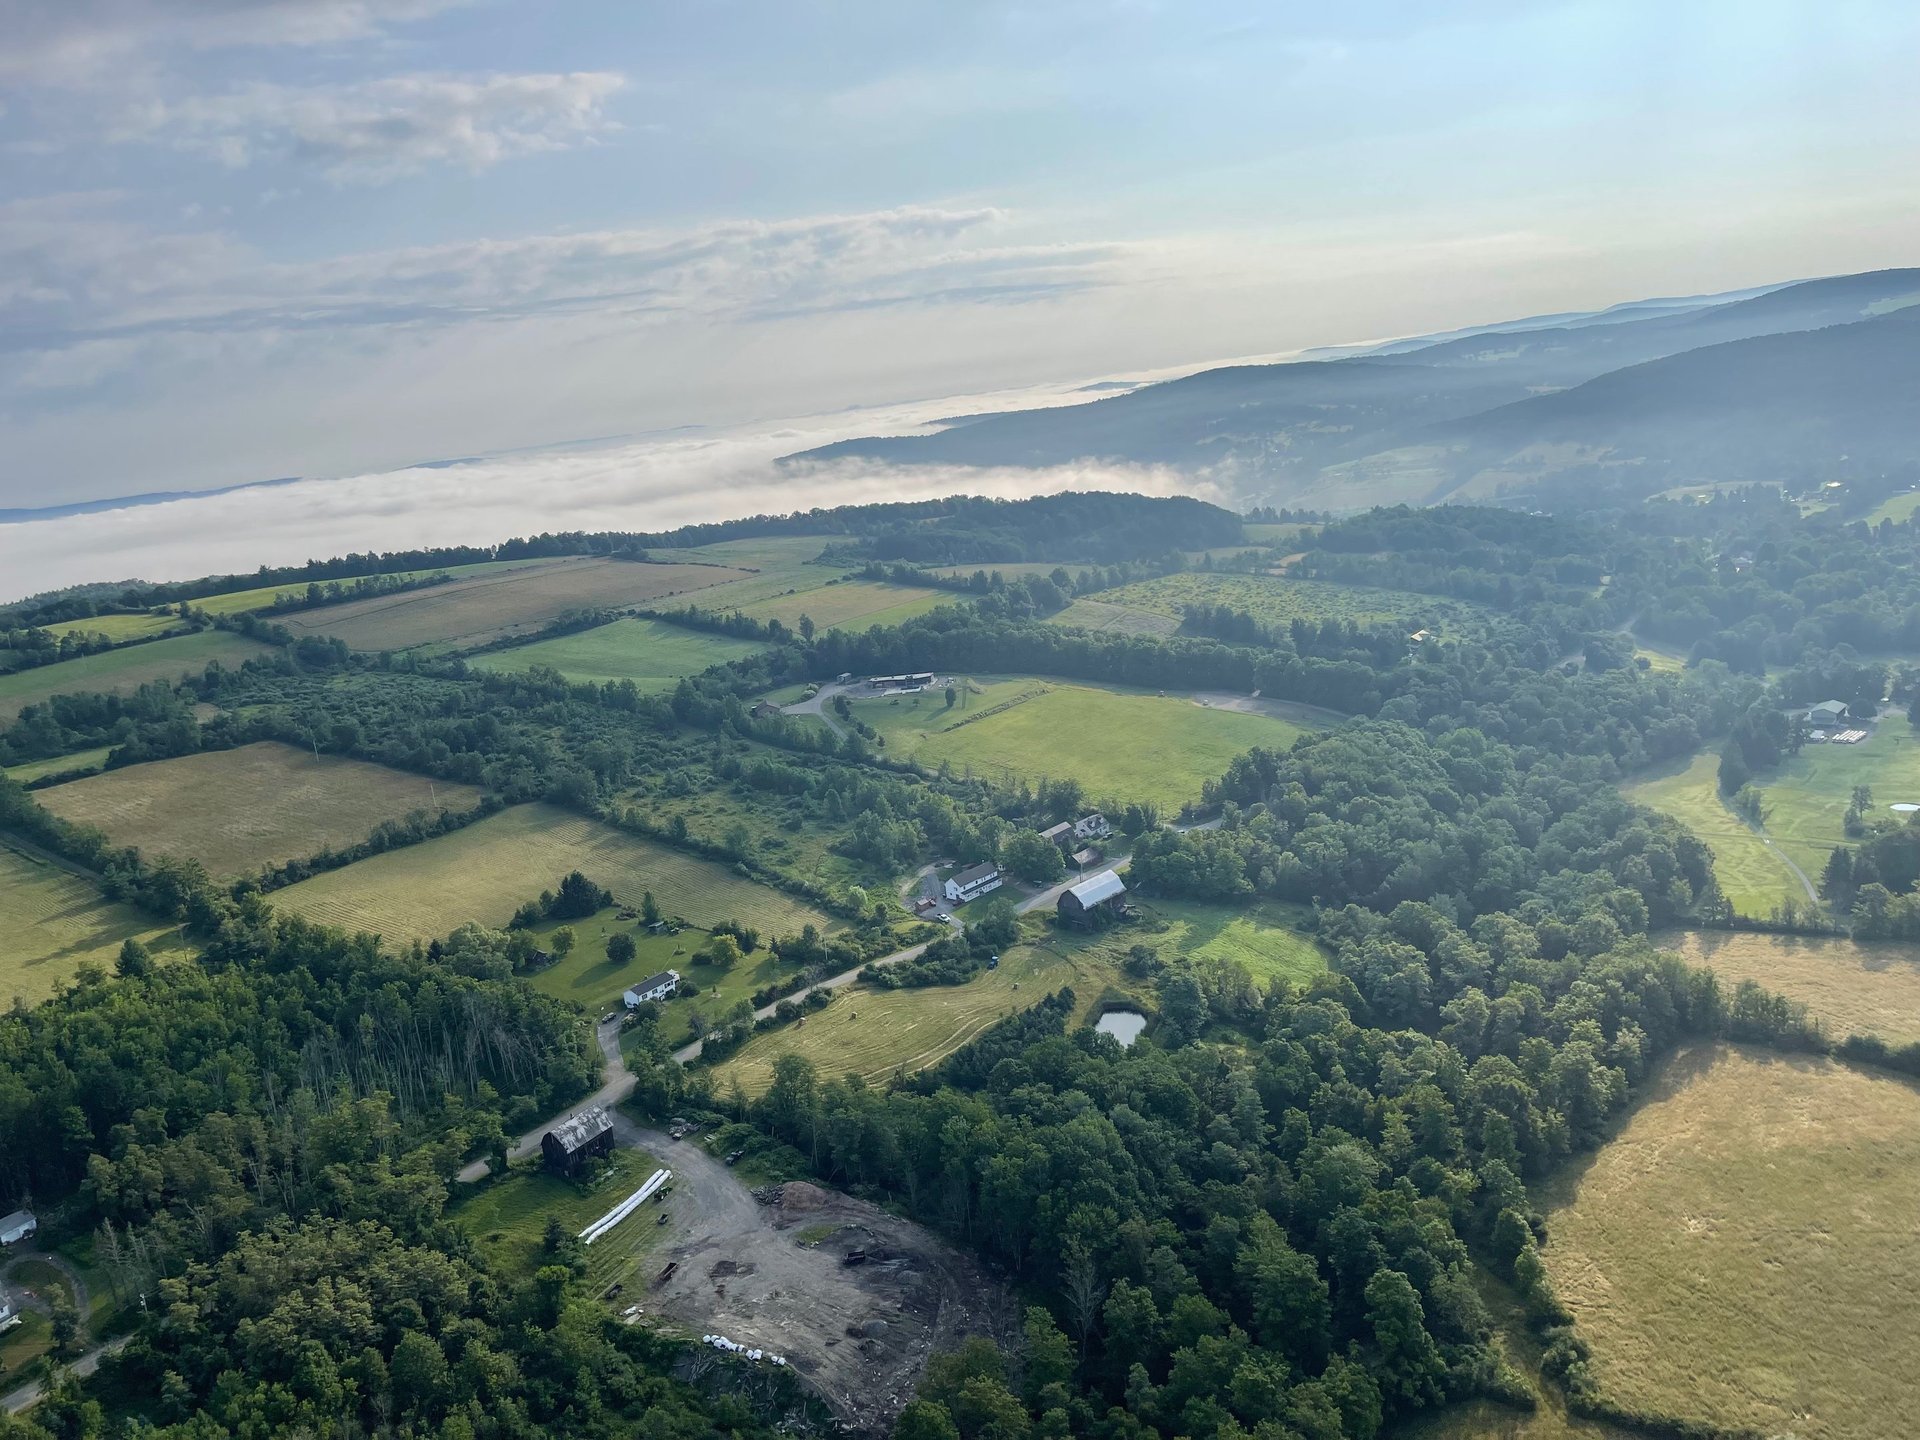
<point x="236" y="811"/>
<point x="1740" y="1255"/>
<point x="653" y="654"/>
<point x="1127" y="745"/>
<point x="485" y="871"/>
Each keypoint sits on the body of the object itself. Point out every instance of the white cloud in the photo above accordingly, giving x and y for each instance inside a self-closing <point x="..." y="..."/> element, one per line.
<point x="70" y="41"/>
<point x="654" y="485"/>
<point x="382" y="129"/>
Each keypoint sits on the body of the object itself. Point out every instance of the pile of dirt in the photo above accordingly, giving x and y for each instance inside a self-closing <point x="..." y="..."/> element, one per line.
<point x="799" y="1195"/>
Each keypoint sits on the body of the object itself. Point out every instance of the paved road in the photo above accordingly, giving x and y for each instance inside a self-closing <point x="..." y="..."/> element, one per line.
<point x="30" y="1395"/>
<point x="816" y="705"/>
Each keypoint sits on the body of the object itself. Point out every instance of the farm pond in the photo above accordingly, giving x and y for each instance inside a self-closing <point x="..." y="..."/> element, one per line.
<point x="1123" y="1025"/>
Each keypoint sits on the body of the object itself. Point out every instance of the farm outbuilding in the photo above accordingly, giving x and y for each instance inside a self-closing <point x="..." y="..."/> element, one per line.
<point x="569" y="1145"/>
<point x="1828" y="714"/>
<point x="1061" y="835"/>
<point x="17" y="1227"/>
<point x="1083" y="904"/>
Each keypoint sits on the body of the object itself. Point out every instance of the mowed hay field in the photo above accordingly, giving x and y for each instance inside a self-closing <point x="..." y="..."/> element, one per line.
<point x="1806" y="798"/>
<point x="852" y="604"/>
<point x="484" y="872"/>
<point x="1118" y="744"/>
<point x="238" y="602"/>
<point x="1851" y="987"/>
<point x="651" y="653"/>
<point x="53" y="921"/>
<point x="237" y="810"/>
<point x="1085" y="614"/>
<point x="1755" y="879"/>
<point x="1743" y="1254"/>
<point x="486" y="607"/>
<point x="873" y="1033"/>
<point x="121" y="672"/>
<point x="1277" y="601"/>
<point x="58" y="764"/>
<point x="117" y="628"/>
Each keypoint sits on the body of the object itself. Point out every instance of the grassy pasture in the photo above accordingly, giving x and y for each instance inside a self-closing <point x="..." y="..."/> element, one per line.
<point x="238" y="602"/>
<point x="1897" y="508"/>
<point x="1742" y="1254"/>
<point x="1119" y="744"/>
<point x="484" y="872"/>
<point x="1276" y="601"/>
<point x="79" y="760"/>
<point x="652" y="653"/>
<point x="507" y="1219"/>
<point x="53" y="921"/>
<point x="873" y="1033"/>
<point x="237" y="810"/>
<point x="1085" y="614"/>
<point x="121" y="672"/>
<point x="1754" y="878"/>
<point x="117" y="628"/>
<point x="1851" y="987"/>
<point x="852" y="604"/>
<point x="1806" y="797"/>
<point x="485" y="607"/>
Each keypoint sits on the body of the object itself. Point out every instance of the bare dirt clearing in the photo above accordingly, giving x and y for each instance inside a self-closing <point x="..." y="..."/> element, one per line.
<point x="859" y="1335"/>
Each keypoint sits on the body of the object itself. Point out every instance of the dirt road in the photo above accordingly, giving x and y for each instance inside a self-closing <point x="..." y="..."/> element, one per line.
<point x="616" y="1085"/>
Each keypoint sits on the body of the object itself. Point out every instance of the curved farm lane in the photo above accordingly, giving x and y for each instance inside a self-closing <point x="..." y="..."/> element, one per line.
<point x="30" y="1394"/>
<point x="616" y="1085"/>
<point x="816" y="706"/>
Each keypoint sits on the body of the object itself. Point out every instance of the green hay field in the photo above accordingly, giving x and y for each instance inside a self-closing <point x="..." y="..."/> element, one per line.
<point x="873" y="1033"/>
<point x="121" y="672"/>
<point x="852" y="605"/>
<point x="1276" y="601"/>
<point x="59" y="764"/>
<point x="487" y="607"/>
<point x="507" y="1219"/>
<point x="1899" y="509"/>
<point x="52" y="922"/>
<point x="651" y="653"/>
<point x="1851" y="987"/>
<point x="1118" y="744"/>
<point x="1742" y="1254"/>
<point x="1085" y="614"/>
<point x="238" y="810"/>
<point x="117" y="628"/>
<point x="484" y="872"/>
<point x="1755" y="879"/>
<point x="238" y="602"/>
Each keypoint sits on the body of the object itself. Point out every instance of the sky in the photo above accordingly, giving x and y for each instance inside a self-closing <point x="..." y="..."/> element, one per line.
<point x="243" y="239"/>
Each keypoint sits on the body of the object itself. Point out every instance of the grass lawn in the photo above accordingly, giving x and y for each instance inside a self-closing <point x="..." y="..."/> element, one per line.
<point x="1259" y="939"/>
<point x="652" y="653"/>
<point x="117" y="628"/>
<point x="484" y="872"/>
<point x="238" y="810"/>
<point x="22" y="1345"/>
<point x="1742" y="1254"/>
<point x="1898" y="508"/>
<point x="52" y="922"/>
<point x="1806" y="798"/>
<point x="852" y="604"/>
<point x="1753" y="877"/>
<point x="59" y="764"/>
<point x="122" y="671"/>
<point x="1851" y="987"/>
<point x="873" y="1033"/>
<point x="508" y="1219"/>
<point x="1660" y="659"/>
<point x="1121" y="745"/>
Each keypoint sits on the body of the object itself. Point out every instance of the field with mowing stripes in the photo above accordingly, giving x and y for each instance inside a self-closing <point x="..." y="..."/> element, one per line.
<point x="236" y="602"/>
<point x="58" y="764"/>
<point x="1086" y="614"/>
<point x="121" y="672"/>
<point x="237" y="810"/>
<point x="1754" y="878"/>
<point x="486" y="607"/>
<point x="651" y="653"/>
<point x="1119" y="744"/>
<point x="1741" y="1256"/>
<point x="1851" y="987"/>
<point x="484" y="872"/>
<point x="1806" y="797"/>
<point x="852" y="604"/>
<point x="53" y="921"/>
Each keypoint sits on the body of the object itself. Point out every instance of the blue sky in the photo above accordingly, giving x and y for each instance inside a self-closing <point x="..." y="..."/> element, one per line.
<point x="248" y="238"/>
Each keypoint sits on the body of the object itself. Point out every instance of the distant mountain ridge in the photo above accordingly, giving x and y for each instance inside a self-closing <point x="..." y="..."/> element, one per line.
<point x="1811" y="379"/>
